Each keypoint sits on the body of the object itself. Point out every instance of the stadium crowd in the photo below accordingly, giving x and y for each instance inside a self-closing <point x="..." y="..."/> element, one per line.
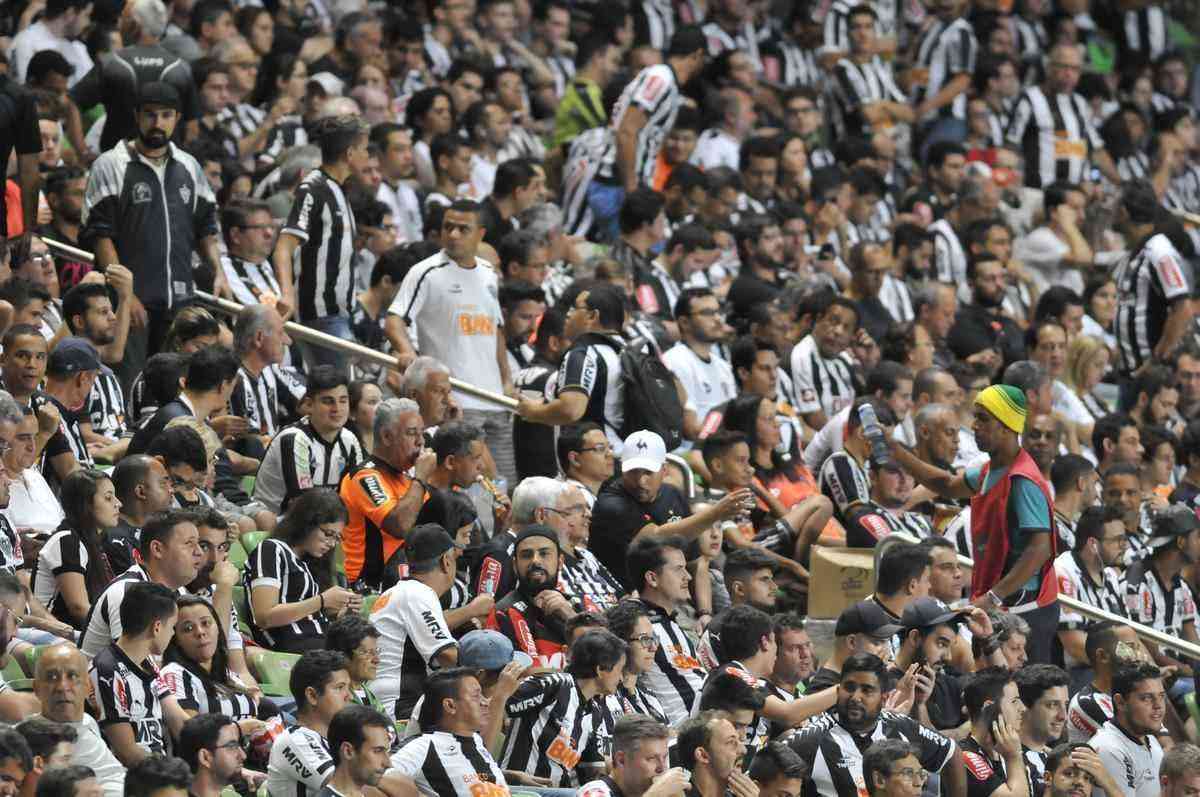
<point x="680" y="297"/>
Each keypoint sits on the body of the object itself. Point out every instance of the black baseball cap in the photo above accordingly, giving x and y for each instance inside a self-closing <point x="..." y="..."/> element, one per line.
<point x="866" y="617"/>
<point x="71" y="356"/>
<point x="428" y="541"/>
<point x="159" y="93"/>
<point x="928" y="612"/>
<point x="1173" y="522"/>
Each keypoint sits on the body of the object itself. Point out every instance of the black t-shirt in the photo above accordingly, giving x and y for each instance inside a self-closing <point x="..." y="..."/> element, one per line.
<point x="822" y="679"/>
<point x="748" y="290"/>
<point x="119" y="543"/>
<point x="18" y="131"/>
<point x="978" y="328"/>
<point x="621" y="517"/>
<point x="945" y="702"/>
<point x="1185" y="493"/>
<point x="874" y="317"/>
<point x="152" y="428"/>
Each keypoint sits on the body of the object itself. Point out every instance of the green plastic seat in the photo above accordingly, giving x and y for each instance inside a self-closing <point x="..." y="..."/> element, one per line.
<point x="30" y="658"/>
<point x="273" y="670"/>
<point x="238" y="555"/>
<point x="12" y="671"/>
<point x="1193" y="708"/>
<point x="251" y="539"/>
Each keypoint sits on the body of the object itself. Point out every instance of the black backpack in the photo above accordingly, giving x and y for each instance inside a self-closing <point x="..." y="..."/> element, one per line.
<point x="651" y="400"/>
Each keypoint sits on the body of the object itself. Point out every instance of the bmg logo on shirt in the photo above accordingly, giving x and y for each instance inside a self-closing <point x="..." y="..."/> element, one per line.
<point x="476" y="324"/>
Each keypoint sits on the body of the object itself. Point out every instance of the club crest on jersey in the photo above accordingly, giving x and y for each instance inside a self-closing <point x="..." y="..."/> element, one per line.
<point x="141" y="193"/>
<point x="185" y="194"/>
<point x="979" y="766"/>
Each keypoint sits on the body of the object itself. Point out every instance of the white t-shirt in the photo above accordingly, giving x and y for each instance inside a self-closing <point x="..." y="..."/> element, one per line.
<point x="708" y="384"/>
<point x="413" y="631"/>
<point x="826" y="441"/>
<point x="91" y="750"/>
<point x="32" y="504"/>
<point x="38" y="37"/>
<point x="1133" y="766"/>
<point x="1044" y="251"/>
<point x="714" y="148"/>
<point x="456" y="312"/>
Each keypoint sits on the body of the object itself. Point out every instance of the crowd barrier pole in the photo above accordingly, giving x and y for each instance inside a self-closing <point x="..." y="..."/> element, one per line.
<point x="313" y="336"/>
<point x="1096" y="613"/>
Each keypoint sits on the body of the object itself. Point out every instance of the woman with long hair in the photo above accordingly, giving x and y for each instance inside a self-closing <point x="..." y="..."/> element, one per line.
<point x="196" y="667"/>
<point x="72" y="569"/>
<point x="257" y="27"/>
<point x="289" y="576"/>
<point x="282" y="78"/>
<point x="1088" y="360"/>
<point x="781" y="481"/>
<point x="365" y="398"/>
<point x="1100" y="309"/>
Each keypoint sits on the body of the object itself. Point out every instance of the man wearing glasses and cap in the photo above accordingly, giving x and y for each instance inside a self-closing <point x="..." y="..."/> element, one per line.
<point x="1012" y="515"/>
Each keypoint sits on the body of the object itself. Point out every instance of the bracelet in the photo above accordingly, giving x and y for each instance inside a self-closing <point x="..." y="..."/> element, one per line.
<point x="995" y="598"/>
<point x="321" y="595"/>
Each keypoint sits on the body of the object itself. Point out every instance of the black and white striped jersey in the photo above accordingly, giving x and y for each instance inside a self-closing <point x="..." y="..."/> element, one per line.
<point x="250" y="283"/>
<point x="1148" y="281"/>
<point x="1144" y="33"/>
<point x="445" y="765"/>
<point x="587" y="583"/>
<point x="12" y="558"/>
<point x="299" y="764"/>
<point x="241" y="119"/>
<point x="625" y="701"/>
<point x="288" y="132"/>
<point x="678" y="675"/>
<point x="834" y="757"/>
<point x="262" y="400"/>
<point x="593" y="366"/>
<point x="103" y="625"/>
<point x="656" y="92"/>
<point x="1135" y="166"/>
<point x="856" y="85"/>
<point x="1055" y="134"/>
<point x="897" y="298"/>
<point x="654" y="23"/>
<point x="949" y="258"/>
<point x="1074" y="581"/>
<point x="298" y="458"/>
<point x="322" y="265"/>
<point x="132" y="694"/>
<point x="1032" y="42"/>
<point x="105" y="407"/>
<point x="788" y="64"/>
<point x="64" y="552"/>
<point x="555" y="730"/>
<point x="204" y="696"/>
<point x="744" y="40"/>
<point x="274" y="564"/>
<point x="944" y="51"/>
<point x="1163" y="607"/>
<point x="820" y="383"/>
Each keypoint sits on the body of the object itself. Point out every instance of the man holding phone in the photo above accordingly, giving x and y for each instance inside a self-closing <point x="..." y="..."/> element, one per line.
<point x="992" y="754"/>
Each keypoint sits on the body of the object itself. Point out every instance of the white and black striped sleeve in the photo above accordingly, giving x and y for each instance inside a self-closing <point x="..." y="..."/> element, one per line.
<point x="185" y="688"/>
<point x="961" y="55"/>
<point x="64" y="553"/>
<point x="266" y="566"/>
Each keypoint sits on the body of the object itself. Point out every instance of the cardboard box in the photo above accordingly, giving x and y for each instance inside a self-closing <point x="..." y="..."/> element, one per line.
<point x="839" y="577"/>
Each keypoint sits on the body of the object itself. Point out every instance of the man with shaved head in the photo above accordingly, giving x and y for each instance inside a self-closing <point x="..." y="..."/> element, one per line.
<point x="61" y="684"/>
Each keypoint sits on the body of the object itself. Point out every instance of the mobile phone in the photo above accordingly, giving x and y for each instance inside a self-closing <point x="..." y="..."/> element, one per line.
<point x="991" y="713"/>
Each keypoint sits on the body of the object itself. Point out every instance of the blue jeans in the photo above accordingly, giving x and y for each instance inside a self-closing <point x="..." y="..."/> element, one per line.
<point x="339" y="327"/>
<point x="605" y="201"/>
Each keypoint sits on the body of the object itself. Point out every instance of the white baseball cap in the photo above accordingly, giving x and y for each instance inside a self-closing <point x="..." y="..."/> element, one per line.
<point x="643" y="450"/>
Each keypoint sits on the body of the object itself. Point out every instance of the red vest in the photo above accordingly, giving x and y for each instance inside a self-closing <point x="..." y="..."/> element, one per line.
<point x="989" y="530"/>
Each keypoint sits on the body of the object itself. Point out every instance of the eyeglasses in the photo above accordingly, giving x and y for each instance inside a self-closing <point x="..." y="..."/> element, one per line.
<point x="600" y="448"/>
<point x="914" y="776"/>
<point x="241" y="743"/>
<point x="256" y="227"/>
<point x="572" y="510"/>
<point x="331" y="534"/>
<point x="708" y="313"/>
<point x="648" y="641"/>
